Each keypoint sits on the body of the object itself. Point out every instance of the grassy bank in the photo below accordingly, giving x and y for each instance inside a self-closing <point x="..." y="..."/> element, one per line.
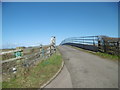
<point x="103" y="55"/>
<point x="37" y="75"/>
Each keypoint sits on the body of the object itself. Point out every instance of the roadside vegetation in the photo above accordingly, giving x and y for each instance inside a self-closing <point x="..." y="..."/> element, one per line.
<point x="35" y="76"/>
<point x="103" y="55"/>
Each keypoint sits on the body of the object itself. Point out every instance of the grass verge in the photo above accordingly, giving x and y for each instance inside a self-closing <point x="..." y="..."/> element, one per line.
<point x="103" y="55"/>
<point x="35" y="76"/>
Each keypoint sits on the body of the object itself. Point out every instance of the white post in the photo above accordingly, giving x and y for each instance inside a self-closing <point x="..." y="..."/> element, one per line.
<point x="53" y="40"/>
<point x="40" y="50"/>
<point x="53" y="43"/>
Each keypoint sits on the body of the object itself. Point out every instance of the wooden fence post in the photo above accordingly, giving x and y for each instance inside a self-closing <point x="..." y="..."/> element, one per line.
<point x="104" y="45"/>
<point x="99" y="45"/>
<point x="118" y="49"/>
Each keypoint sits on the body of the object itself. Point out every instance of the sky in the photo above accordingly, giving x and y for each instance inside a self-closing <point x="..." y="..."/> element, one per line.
<point x="33" y="23"/>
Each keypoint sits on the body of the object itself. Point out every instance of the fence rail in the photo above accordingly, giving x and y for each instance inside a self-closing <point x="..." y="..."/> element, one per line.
<point x="10" y="51"/>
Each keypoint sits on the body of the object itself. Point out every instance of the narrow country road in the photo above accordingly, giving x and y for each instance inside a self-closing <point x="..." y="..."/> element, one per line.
<point x="87" y="70"/>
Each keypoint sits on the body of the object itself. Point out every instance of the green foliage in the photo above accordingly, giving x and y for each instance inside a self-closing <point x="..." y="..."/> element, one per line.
<point x="105" y="55"/>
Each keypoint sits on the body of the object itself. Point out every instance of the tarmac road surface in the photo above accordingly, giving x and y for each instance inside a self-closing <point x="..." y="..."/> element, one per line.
<point x="85" y="70"/>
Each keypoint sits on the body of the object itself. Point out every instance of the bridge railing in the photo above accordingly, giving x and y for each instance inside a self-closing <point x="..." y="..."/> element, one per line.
<point x="95" y="43"/>
<point x="87" y="42"/>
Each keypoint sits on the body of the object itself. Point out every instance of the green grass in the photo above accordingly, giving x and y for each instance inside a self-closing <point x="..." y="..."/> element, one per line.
<point x="103" y="55"/>
<point x="35" y="76"/>
<point x="1" y="83"/>
<point x="108" y="56"/>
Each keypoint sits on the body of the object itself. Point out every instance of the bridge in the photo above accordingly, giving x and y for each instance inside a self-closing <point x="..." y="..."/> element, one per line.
<point x="86" y="70"/>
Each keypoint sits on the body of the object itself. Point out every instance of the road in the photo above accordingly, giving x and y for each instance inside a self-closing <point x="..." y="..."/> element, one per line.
<point x="63" y="80"/>
<point x="87" y="70"/>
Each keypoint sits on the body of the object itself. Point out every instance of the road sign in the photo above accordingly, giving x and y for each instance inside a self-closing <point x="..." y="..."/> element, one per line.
<point x="18" y="54"/>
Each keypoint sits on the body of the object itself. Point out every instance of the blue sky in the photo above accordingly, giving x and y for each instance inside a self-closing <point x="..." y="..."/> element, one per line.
<point x="32" y="23"/>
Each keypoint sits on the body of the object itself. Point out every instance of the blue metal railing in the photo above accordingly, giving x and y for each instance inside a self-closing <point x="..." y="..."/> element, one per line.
<point x="90" y="40"/>
<point x="86" y="42"/>
<point x="95" y="43"/>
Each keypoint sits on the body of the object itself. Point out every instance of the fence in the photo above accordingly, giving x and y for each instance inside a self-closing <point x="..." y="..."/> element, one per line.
<point x="95" y="43"/>
<point x="20" y="60"/>
<point x="109" y="45"/>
